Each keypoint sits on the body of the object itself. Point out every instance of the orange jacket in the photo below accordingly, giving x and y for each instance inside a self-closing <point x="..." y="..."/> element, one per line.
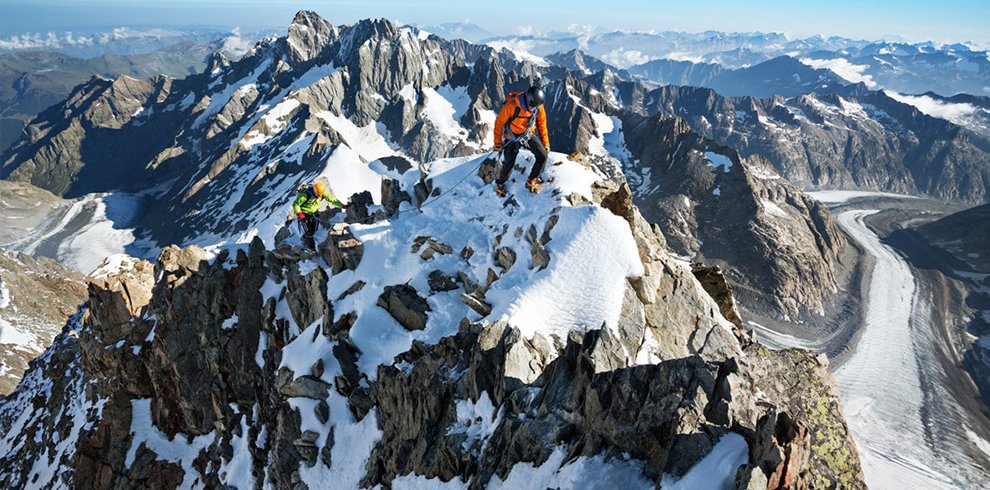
<point x="505" y="122"/>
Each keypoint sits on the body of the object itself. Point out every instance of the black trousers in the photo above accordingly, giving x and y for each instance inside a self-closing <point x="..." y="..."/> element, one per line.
<point x="308" y="226"/>
<point x="511" y="150"/>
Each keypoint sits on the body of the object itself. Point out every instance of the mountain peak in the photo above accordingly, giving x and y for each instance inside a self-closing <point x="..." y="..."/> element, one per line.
<point x="308" y="18"/>
<point x="308" y="35"/>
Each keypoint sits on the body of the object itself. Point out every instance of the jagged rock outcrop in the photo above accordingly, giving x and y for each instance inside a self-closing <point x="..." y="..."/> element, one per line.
<point x="201" y="372"/>
<point x="711" y="203"/>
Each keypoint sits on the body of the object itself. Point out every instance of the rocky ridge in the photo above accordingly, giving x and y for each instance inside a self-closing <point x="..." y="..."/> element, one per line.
<point x="255" y="367"/>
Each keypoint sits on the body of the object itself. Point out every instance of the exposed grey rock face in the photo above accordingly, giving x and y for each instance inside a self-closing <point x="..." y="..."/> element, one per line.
<point x="963" y="244"/>
<point x="52" y="154"/>
<point x="865" y="140"/>
<point x="768" y="235"/>
<point x="309" y="35"/>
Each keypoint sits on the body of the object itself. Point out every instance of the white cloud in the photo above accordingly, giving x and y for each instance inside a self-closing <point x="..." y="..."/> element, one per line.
<point x="521" y="48"/>
<point x="526" y="30"/>
<point x="676" y="56"/>
<point x="624" y="58"/>
<point x="965" y="115"/>
<point x="843" y="68"/>
<point x="582" y="32"/>
<point x="51" y="40"/>
<point x="234" y="47"/>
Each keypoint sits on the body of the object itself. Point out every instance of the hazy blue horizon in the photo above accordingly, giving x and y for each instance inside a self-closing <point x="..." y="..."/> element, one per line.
<point x="913" y="20"/>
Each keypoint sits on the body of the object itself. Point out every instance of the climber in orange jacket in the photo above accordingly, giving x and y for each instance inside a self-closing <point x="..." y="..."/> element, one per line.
<point x="515" y="127"/>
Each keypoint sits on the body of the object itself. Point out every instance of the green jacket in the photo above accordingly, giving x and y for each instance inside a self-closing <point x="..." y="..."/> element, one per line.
<point x="309" y="203"/>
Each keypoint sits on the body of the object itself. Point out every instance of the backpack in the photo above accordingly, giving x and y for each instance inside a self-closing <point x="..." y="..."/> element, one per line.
<point x="515" y="115"/>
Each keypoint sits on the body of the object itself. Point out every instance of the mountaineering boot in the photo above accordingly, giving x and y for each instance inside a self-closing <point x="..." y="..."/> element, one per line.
<point x="500" y="190"/>
<point x="534" y="185"/>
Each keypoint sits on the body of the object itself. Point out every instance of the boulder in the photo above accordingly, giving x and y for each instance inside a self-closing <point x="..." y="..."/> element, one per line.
<point x="341" y="250"/>
<point x="405" y="305"/>
<point x="539" y="258"/>
<point x="393" y="196"/>
<point x="440" y="281"/>
<point x="505" y="257"/>
<point x="479" y="306"/>
<point x="306" y="387"/>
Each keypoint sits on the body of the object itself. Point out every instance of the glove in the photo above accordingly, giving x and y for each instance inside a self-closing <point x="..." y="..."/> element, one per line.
<point x="498" y="147"/>
<point x="301" y="215"/>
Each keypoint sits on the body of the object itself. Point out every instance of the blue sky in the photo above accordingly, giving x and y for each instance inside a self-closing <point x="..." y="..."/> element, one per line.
<point x="942" y="20"/>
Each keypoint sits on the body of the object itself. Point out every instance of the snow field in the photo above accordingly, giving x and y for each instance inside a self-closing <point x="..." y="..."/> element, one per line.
<point x="717" y="160"/>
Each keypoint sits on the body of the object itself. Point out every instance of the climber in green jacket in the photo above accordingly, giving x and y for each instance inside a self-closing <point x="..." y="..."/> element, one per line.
<point x="308" y="202"/>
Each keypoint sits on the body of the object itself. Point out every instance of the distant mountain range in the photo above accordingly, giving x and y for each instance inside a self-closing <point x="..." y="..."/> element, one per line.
<point x="783" y="76"/>
<point x="908" y="68"/>
<point x="32" y="81"/>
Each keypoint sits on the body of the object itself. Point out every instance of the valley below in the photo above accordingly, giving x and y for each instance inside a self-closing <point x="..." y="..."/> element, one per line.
<point x="914" y="411"/>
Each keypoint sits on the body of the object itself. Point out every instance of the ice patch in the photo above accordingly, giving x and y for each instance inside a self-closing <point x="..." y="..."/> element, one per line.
<point x="4" y="295"/>
<point x="229" y="323"/>
<point x="978" y="441"/>
<point x="107" y="232"/>
<point x="718" y="161"/>
<point x="835" y="197"/>
<point x="717" y="470"/>
<point x="773" y="209"/>
<point x="478" y="420"/>
<point x="843" y="68"/>
<point x="237" y="471"/>
<point x="178" y="450"/>
<point x="9" y="334"/>
<point x="584" y="472"/>
<point x="366" y="141"/>
<point x="220" y="99"/>
<point x="519" y="49"/>
<point x="442" y="112"/>
<point x="274" y="122"/>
